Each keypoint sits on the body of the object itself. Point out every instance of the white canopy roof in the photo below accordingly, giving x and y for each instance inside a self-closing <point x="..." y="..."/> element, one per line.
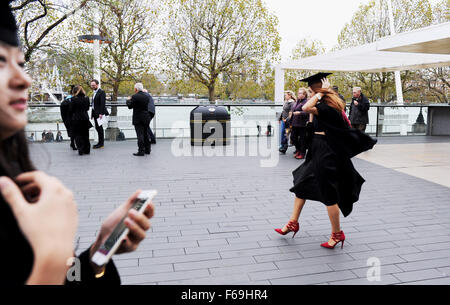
<point x="423" y="48"/>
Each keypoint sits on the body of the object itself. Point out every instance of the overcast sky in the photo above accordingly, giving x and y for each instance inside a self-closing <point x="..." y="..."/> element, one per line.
<point x="301" y="19"/>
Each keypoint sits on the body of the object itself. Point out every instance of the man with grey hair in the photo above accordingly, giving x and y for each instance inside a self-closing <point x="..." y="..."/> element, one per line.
<point x="359" y="109"/>
<point x="141" y="119"/>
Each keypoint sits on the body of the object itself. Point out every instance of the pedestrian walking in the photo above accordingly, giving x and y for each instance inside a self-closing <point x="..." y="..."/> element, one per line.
<point x="328" y="175"/>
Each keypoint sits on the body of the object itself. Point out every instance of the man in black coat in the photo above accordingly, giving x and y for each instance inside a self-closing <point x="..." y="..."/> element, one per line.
<point x="66" y="116"/>
<point x="359" y="109"/>
<point x="141" y="119"/>
<point x="151" y="111"/>
<point x="98" y="111"/>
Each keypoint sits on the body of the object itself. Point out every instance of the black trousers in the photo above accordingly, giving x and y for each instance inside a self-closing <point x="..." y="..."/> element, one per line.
<point x="143" y="140"/>
<point x="100" y="132"/>
<point x="80" y="133"/>
<point x="298" y="135"/>
<point x="151" y="136"/>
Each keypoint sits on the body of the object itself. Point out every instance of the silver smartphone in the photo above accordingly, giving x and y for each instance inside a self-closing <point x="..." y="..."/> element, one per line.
<point x="112" y="243"/>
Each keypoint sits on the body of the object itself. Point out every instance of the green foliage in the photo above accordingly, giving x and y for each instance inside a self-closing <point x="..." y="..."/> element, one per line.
<point x="369" y="24"/>
<point x="306" y="47"/>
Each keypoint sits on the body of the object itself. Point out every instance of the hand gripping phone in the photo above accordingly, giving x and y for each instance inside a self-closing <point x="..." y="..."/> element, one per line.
<point x="112" y="243"/>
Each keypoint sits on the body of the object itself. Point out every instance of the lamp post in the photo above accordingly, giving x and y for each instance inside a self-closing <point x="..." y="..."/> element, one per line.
<point x="97" y="40"/>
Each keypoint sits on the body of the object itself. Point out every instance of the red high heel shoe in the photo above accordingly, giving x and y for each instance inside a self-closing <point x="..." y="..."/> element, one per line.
<point x="337" y="237"/>
<point x="292" y="226"/>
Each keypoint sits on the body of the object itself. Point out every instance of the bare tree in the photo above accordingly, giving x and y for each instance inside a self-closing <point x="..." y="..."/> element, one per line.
<point x="32" y="13"/>
<point x="210" y="37"/>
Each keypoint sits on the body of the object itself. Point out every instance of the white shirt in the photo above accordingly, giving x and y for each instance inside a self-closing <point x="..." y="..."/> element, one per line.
<point x="93" y="97"/>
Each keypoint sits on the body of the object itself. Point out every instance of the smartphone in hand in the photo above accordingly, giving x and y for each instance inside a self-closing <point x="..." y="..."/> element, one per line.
<point x="112" y="243"/>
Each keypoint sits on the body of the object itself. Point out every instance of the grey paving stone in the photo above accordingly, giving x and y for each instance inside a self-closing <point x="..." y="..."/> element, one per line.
<point x="243" y="269"/>
<point x="276" y="274"/>
<point x="384" y="280"/>
<point x="220" y="223"/>
<point x="414" y="276"/>
<point x="252" y="252"/>
<point x="214" y="263"/>
<point x="277" y="257"/>
<point x="126" y="271"/>
<point x="314" y="278"/>
<point x="426" y="255"/>
<point x="438" y="281"/>
<point x="178" y="259"/>
<point x="363" y="263"/>
<point x="425" y="264"/>
<point x="401" y="251"/>
<point x="384" y="270"/>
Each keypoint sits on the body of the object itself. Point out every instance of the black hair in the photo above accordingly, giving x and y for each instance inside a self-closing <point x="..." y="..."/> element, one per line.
<point x="15" y="156"/>
<point x="95" y="81"/>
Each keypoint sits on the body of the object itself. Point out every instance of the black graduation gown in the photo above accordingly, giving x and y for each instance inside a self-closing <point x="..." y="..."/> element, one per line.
<point x="328" y="175"/>
<point x="16" y="255"/>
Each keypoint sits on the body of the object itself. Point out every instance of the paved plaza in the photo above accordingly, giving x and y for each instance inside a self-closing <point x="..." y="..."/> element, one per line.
<point x="215" y="215"/>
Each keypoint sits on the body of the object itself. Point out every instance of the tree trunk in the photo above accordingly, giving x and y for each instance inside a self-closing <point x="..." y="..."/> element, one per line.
<point x="112" y="131"/>
<point x="211" y="93"/>
<point x="114" y="98"/>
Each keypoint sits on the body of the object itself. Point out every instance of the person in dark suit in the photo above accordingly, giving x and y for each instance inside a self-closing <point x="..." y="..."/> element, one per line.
<point x="152" y="112"/>
<point x="66" y="117"/>
<point x="38" y="214"/>
<point x="80" y="120"/>
<point x="98" y="111"/>
<point x="141" y="119"/>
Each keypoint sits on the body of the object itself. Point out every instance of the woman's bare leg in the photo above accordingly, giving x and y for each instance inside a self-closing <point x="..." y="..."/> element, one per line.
<point x="298" y="206"/>
<point x="333" y="214"/>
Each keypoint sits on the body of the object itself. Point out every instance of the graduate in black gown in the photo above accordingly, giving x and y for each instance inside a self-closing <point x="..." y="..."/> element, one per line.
<point x="38" y="214"/>
<point x="328" y="175"/>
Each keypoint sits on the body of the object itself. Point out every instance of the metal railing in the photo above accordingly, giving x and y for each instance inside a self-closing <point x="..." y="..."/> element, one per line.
<point x="172" y="119"/>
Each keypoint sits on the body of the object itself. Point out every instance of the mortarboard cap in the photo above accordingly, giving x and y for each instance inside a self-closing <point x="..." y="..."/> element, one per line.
<point x="316" y="78"/>
<point x="8" y="26"/>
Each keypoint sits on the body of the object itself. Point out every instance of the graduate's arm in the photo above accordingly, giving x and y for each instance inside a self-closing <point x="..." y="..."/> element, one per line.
<point x="310" y="106"/>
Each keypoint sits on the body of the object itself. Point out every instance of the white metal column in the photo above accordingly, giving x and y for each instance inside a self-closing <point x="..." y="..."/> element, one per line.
<point x="279" y="85"/>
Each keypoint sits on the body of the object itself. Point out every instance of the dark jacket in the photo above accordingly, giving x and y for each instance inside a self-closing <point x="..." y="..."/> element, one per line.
<point x="16" y="257"/>
<point x="65" y="115"/>
<point x="301" y="119"/>
<point x="139" y="104"/>
<point x="79" y="108"/>
<point x="359" y="114"/>
<point x="99" y="104"/>
<point x="151" y="103"/>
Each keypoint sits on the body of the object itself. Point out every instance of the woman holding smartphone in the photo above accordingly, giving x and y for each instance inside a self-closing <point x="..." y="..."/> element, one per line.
<point x="38" y="214"/>
<point x="328" y="175"/>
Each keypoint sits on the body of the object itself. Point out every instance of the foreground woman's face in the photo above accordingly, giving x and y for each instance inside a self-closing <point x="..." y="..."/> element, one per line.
<point x="14" y="83"/>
